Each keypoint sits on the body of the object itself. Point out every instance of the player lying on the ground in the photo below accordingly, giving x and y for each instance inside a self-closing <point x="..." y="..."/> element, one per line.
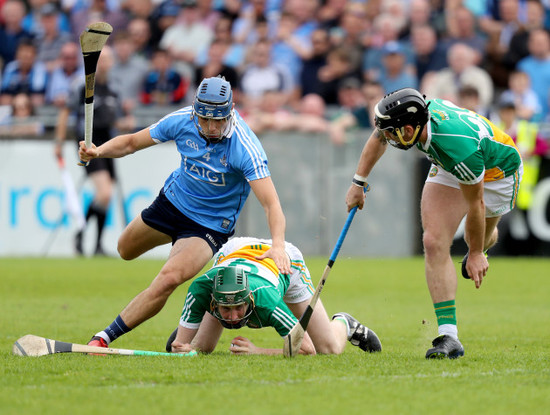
<point x="241" y="290"/>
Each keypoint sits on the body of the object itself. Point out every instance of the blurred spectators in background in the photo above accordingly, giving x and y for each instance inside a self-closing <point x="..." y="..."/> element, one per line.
<point x="20" y="118"/>
<point x="361" y="117"/>
<point x="295" y="48"/>
<point x="215" y="65"/>
<point x="537" y="66"/>
<point x="461" y="27"/>
<point x="96" y="11"/>
<point x="500" y="34"/>
<point x="288" y="48"/>
<point x="309" y="81"/>
<point x="70" y="71"/>
<point x="353" y="30"/>
<point x="261" y="74"/>
<point x="341" y="63"/>
<point x="395" y="73"/>
<point x="462" y="71"/>
<point x="526" y="101"/>
<point x="527" y="137"/>
<point x="518" y="49"/>
<point x="185" y="38"/>
<point x="163" y="16"/>
<point x="386" y="29"/>
<point x="163" y="83"/>
<point x="468" y="97"/>
<point x="140" y="33"/>
<point x="254" y="22"/>
<point x="272" y="115"/>
<point x="32" y="22"/>
<point x="233" y="54"/>
<point x="128" y="71"/>
<point x="50" y="39"/>
<point x="429" y="54"/>
<point x="349" y="94"/>
<point x="12" y="31"/>
<point x="24" y="74"/>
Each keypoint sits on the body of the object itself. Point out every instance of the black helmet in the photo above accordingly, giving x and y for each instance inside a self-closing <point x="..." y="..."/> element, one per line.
<point x="405" y="106"/>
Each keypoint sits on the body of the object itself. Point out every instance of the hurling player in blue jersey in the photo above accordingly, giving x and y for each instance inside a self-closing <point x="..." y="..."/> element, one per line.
<point x="196" y="210"/>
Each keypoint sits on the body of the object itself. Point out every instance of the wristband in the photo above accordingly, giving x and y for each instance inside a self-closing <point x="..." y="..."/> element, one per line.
<point x="359" y="181"/>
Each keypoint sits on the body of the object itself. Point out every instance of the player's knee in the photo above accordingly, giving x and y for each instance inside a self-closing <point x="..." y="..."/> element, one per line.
<point x="433" y="245"/>
<point x="169" y="279"/>
<point x="124" y="251"/>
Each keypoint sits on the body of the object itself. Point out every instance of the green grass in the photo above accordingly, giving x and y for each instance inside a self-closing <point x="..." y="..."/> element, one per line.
<point x="504" y="327"/>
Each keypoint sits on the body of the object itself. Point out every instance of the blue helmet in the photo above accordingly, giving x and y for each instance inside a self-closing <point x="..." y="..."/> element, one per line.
<point x="213" y="100"/>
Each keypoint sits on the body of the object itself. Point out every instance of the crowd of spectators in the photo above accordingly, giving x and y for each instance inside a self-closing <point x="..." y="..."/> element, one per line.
<point x="294" y="64"/>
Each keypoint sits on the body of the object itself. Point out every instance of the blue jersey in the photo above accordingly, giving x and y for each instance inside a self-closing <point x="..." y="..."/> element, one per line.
<point x="211" y="184"/>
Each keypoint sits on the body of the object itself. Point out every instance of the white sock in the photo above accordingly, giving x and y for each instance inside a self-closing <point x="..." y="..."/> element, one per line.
<point x="345" y="321"/>
<point x="104" y="336"/>
<point x="449" y="330"/>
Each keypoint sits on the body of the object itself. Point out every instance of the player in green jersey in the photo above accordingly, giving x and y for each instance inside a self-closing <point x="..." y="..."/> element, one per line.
<point x="241" y="289"/>
<point x="475" y="174"/>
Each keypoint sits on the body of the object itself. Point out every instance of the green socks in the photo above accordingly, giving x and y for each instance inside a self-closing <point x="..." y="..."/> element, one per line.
<point x="445" y="312"/>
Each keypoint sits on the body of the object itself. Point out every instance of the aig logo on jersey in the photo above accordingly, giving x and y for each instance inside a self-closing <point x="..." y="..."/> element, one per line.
<point x="204" y="172"/>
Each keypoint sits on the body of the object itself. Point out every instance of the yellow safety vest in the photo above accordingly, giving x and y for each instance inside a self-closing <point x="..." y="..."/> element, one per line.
<point x="526" y="141"/>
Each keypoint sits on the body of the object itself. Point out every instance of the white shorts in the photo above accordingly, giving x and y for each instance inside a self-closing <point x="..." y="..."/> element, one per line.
<point x="499" y="196"/>
<point x="300" y="287"/>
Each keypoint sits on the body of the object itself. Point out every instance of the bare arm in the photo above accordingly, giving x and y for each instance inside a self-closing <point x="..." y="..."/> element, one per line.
<point x="118" y="146"/>
<point x="267" y="196"/>
<point x="477" y="264"/>
<point x="204" y="339"/>
<point x="182" y="342"/>
<point x="372" y="151"/>
<point x="242" y="345"/>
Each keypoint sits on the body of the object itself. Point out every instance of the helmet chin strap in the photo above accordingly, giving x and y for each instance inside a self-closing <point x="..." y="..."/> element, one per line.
<point x="411" y="142"/>
<point x="228" y="130"/>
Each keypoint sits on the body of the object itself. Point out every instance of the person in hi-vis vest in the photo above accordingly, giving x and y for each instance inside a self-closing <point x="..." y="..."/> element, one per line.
<point x="526" y="136"/>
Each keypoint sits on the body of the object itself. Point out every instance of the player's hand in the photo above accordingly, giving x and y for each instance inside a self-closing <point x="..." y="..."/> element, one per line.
<point x="86" y="154"/>
<point x="241" y="345"/>
<point x="477" y="266"/>
<point x="178" y="347"/>
<point x="307" y="347"/>
<point x="280" y="257"/>
<point x="355" y="197"/>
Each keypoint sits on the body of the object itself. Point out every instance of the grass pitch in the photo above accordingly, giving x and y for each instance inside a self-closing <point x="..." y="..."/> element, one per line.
<point x="504" y="327"/>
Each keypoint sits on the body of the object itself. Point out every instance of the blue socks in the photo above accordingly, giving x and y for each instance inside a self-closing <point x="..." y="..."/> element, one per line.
<point x="115" y="330"/>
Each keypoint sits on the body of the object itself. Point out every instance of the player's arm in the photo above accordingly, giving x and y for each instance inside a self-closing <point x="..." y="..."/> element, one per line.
<point x="373" y="149"/>
<point x="267" y="196"/>
<point x="118" y="146"/>
<point x="242" y="345"/>
<point x="477" y="264"/>
<point x="182" y="342"/>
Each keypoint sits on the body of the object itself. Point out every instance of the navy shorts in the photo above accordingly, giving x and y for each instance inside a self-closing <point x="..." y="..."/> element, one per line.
<point x="163" y="216"/>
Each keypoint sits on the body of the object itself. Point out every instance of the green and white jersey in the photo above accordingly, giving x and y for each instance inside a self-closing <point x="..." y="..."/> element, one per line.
<point x="269" y="288"/>
<point x="468" y="145"/>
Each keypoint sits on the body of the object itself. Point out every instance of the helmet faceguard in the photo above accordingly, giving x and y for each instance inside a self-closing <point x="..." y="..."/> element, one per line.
<point x="231" y="289"/>
<point x="214" y="101"/>
<point x="400" y="108"/>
